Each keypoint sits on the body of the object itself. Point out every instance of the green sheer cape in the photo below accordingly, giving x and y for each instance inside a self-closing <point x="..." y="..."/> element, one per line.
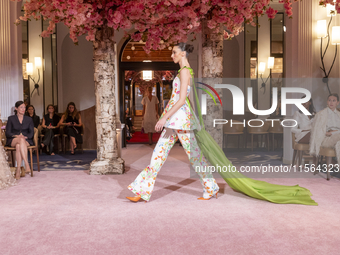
<point x="254" y="188"/>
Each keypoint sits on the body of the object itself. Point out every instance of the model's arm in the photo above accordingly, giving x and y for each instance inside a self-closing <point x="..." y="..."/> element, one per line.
<point x="185" y="81"/>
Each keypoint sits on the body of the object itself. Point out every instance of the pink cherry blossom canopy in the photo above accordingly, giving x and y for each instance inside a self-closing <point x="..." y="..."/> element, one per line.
<point x="160" y="22"/>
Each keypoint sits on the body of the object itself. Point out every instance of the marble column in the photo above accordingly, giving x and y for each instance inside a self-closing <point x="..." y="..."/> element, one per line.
<point x="212" y="60"/>
<point x="107" y="121"/>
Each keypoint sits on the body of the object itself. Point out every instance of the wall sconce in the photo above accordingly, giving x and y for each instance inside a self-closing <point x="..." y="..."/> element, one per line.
<point x="262" y="68"/>
<point x="29" y="68"/>
<point x="322" y="33"/>
<point x="147" y="75"/>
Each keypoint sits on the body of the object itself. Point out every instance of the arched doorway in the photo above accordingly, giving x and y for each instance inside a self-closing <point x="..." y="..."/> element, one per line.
<point x="133" y="63"/>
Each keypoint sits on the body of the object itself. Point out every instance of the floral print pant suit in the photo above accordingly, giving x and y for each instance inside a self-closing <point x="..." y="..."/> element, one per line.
<point x="179" y="126"/>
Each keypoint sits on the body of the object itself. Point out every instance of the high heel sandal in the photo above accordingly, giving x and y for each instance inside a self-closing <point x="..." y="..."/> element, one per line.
<point x="16" y="174"/>
<point x="135" y="198"/>
<point x="27" y="172"/>
<point x="202" y="198"/>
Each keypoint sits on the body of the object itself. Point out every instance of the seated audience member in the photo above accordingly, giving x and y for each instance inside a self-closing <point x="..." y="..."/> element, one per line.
<point x="19" y="134"/>
<point x="326" y="128"/>
<point x="50" y="126"/>
<point x="31" y="113"/>
<point x="72" y="122"/>
<point x="304" y="123"/>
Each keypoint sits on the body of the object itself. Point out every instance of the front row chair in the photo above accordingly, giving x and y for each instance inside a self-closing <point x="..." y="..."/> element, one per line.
<point x="65" y="140"/>
<point x="236" y="129"/>
<point x="30" y="149"/>
<point x="298" y="148"/>
<point x="276" y="129"/>
<point x="329" y="153"/>
<point x="259" y="131"/>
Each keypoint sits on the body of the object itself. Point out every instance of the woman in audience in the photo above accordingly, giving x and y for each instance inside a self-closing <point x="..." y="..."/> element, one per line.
<point x="31" y="113"/>
<point x="72" y="122"/>
<point x="19" y="134"/>
<point x="304" y="123"/>
<point x="326" y="128"/>
<point x="150" y="113"/>
<point x="50" y="126"/>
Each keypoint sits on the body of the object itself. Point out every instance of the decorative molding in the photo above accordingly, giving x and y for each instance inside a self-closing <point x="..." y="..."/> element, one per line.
<point x="305" y="39"/>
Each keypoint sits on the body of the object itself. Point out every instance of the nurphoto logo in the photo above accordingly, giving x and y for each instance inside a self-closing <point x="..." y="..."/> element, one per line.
<point x="238" y="104"/>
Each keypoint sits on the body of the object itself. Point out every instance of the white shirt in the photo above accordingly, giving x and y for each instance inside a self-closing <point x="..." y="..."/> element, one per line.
<point x="333" y="121"/>
<point x="304" y="123"/>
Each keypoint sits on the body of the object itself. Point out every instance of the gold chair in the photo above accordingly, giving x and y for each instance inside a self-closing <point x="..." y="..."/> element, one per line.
<point x="298" y="148"/>
<point x="329" y="153"/>
<point x="276" y="129"/>
<point x="259" y="131"/>
<point x="236" y="129"/>
<point x="65" y="136"/>
<point x="30" y="149"/>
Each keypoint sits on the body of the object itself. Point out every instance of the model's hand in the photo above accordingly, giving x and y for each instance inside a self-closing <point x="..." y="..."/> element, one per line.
<point x="328" y="133"/>
<point x="160" y="124"/>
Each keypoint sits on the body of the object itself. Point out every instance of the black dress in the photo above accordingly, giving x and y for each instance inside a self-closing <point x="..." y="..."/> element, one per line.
<point x="49" y="133"/>
<point x="36" y="120"/>
<point x="14" y="127"/>
<point x="72" y="130"/>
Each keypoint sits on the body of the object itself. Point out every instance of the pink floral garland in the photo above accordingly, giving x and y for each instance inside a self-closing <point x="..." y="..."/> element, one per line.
<point x="160" y="22"/>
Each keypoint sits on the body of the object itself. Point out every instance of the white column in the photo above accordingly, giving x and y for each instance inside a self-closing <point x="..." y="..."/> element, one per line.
<point x="11" y="83"/>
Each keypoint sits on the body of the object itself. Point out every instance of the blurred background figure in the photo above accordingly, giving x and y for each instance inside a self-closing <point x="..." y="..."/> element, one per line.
<point x="150" y="113"/>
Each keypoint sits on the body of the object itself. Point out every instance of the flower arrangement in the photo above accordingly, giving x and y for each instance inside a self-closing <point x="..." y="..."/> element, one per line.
<point x="161" y="23"/>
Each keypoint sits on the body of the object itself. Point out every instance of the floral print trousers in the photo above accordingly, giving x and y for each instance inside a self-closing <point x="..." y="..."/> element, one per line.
<point x="145" y="181"/>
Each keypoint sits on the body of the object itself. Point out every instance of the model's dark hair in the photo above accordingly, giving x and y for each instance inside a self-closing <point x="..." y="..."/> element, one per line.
<point x="334" y="95"/>
<point x="17" y="104"/>
<point x="311" y="108"/>
<point x="188" y="48"/>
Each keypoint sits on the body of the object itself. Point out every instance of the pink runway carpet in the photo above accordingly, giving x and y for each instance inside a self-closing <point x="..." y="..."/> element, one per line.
<point x="71" y="212"/>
